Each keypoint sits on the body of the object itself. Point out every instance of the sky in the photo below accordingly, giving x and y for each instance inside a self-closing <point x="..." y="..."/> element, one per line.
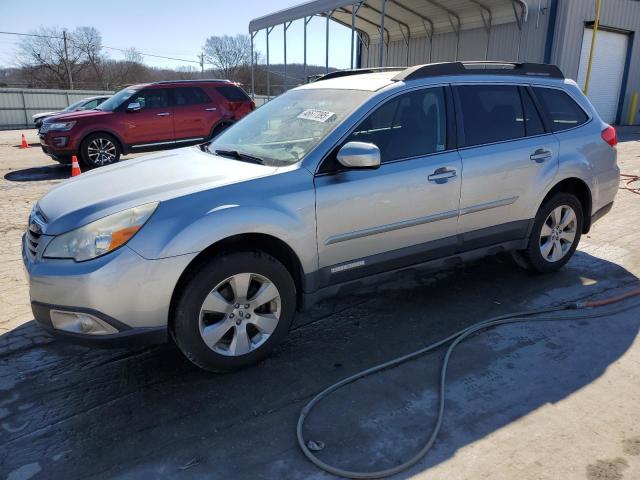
<point x="173" y="28"/>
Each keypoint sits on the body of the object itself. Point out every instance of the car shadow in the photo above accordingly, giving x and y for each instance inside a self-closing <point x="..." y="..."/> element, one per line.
<point x="39" y="174"/>
<point x="70" y="412"/>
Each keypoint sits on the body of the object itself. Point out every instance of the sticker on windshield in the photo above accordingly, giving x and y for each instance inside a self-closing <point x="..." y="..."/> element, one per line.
<point x="316" y="115"/>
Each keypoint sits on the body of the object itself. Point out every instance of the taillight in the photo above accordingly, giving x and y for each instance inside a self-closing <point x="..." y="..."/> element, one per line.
<point x="609" y="135"/>
<point x="231" y="106"/>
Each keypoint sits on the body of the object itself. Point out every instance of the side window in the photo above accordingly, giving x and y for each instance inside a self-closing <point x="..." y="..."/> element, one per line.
<point x="101" y="100"/>
<point x="90" y="105"/>
<point x="407" y="126"/>
<point x="532" y="121"/>
<point x="563" y="112"/>
<point x="190" y="96"/>
<point x="490" y="113"/>
<point x="151" y="98"/>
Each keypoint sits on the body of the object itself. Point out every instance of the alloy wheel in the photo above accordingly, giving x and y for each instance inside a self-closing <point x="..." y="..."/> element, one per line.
<point x="240" y="314"/>
<point x="101" y="151"/>
<point x="558" y="233"/>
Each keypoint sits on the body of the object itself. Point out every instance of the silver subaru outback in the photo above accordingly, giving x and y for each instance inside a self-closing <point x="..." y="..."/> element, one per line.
<point x="360" y="174"/>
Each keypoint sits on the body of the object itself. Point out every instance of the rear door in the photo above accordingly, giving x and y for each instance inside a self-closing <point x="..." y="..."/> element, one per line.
<point x="508" y="159"/>
<point x="195" y="114"/>
<point x="404" y="212"/>
<point x="153" y="123"/>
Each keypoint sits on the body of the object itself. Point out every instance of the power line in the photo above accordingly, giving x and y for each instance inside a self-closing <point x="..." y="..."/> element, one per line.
<point x="123" y="50"/>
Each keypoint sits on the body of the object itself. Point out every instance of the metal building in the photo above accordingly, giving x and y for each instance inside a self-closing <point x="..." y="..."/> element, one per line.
<point x="411" y="32"/>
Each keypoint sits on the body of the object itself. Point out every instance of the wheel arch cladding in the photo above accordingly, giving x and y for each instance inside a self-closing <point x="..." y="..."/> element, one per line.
<point x="581" y="190"/>
<point x="268" y="244"/>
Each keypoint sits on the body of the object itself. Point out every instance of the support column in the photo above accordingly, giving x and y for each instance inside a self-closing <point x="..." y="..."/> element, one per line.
<point x="326" y="46"/>
<point x="253" y="81"/>
<point x="354" y="9"/>
<point x="381" y="54"/>
<point x="304" y="47"/>
<point x="268" y="73"/>
<point x="285" y="27"/>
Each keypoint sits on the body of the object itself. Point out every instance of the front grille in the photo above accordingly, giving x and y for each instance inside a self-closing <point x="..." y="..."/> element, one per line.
<point x="37" y="224"/>
<point x="33" y="239"/>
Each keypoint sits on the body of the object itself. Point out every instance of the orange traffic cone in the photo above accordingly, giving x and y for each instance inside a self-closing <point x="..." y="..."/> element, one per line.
<point x="75" y="167"/>
<point x="24" y="143"/>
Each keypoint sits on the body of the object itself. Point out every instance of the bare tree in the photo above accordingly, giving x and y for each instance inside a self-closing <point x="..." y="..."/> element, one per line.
<point x="44" y="55"/>
<point x="89" y="41"/>
<point x="227" y="54"/>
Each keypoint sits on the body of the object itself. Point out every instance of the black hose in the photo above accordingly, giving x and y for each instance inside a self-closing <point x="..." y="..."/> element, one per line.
<point x="455" y="339"/>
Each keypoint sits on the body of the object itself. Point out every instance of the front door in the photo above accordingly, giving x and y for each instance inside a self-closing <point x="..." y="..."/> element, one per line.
<point x="153" y="123"/>
<point x="404" y="212"/>
<point x="508" y="159"/>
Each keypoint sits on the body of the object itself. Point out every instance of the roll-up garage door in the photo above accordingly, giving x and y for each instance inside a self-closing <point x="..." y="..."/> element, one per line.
<point x="607" y="70"/>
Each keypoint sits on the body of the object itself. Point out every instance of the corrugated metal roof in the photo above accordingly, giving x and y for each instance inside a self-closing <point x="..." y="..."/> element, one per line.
<point x="403" y="18"/>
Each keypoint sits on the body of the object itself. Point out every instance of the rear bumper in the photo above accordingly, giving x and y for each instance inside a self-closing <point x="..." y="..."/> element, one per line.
<point x="126" y="336"/>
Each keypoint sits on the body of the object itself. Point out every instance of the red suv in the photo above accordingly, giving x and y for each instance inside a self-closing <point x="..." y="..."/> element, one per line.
<point x="145" y="117"/>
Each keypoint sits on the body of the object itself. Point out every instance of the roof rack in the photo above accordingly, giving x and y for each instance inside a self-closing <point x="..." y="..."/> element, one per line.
<point x="358" y="71"/>
<point x="195" y="80"/>
<point x="479" y="68"/>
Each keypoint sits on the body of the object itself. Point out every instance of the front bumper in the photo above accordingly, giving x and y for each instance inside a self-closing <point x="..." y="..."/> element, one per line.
<point x="123" y="289"/>
<point x="125" y="337"/>
<point x="50" y="148"/>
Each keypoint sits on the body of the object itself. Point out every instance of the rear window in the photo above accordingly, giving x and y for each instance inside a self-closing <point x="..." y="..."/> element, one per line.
<point x="233" y="94"/>
<point x="562" y="111"/>
<point x="490" y="113"/>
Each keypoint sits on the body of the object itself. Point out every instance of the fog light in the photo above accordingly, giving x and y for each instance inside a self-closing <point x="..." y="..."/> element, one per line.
<point x="77" y="322"/>
<point x="60" y="141"/>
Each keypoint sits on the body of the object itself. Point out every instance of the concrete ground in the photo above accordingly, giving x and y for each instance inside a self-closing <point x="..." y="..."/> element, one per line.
<point x="552" y="400"/>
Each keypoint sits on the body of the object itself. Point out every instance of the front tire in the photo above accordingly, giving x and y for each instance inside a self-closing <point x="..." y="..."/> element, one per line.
<point x="98" y="150"/>
<point x="233" y="310"/>
<point x="555" y="235"/>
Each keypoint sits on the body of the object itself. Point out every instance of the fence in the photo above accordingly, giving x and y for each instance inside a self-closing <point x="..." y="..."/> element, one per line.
<point x="17" y="105"/>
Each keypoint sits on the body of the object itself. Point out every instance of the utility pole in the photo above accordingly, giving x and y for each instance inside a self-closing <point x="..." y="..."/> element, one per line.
<point x="66" y="58"/>
<point x="202" y="64"/>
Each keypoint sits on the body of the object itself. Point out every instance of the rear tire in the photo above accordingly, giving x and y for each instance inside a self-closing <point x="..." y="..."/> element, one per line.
<point x="218" y="130"/>
<point x="99" y="149"/>
<point x="555" y="235"/>
<point x="233" y="310"/>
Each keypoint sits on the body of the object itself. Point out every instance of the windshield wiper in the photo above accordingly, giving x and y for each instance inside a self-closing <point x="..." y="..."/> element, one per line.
<point x="240" y="156"/>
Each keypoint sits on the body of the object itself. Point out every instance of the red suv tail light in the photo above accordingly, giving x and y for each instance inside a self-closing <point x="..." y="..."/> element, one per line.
<point x="609" y="135"/>
<point x="232" y="106"/>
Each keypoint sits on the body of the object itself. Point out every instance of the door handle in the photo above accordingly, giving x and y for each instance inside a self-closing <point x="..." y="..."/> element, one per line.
<point x="163" y="114"/>
<point x="212" y="109"/>
<point x="441" y="175"/>
<point x="540" y="155"/>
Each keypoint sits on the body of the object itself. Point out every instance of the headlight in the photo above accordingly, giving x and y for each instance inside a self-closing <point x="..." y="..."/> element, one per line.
<point x="101" y="236"/>
<point x="61" y="126"/>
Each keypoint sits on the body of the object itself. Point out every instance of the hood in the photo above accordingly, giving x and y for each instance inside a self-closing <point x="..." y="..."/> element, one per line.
<point x="65" y="116"/>
<point x="151" y="178"/>
<point x="43" y="114"/>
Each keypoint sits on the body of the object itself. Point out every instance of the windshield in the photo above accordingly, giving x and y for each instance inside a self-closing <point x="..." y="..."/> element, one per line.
<point x="110" y="104"/>
<point x="285" y="129"/>
<point x="73" y="106"/>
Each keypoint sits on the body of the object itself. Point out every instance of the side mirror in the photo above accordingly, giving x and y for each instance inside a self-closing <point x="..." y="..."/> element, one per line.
<point x="133" y="107"/>
<point x="359" y="155"/>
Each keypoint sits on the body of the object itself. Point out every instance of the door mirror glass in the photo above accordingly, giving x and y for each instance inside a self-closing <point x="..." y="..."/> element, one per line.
<point x="359" y="155"/>
<point x="133" y="107"/>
